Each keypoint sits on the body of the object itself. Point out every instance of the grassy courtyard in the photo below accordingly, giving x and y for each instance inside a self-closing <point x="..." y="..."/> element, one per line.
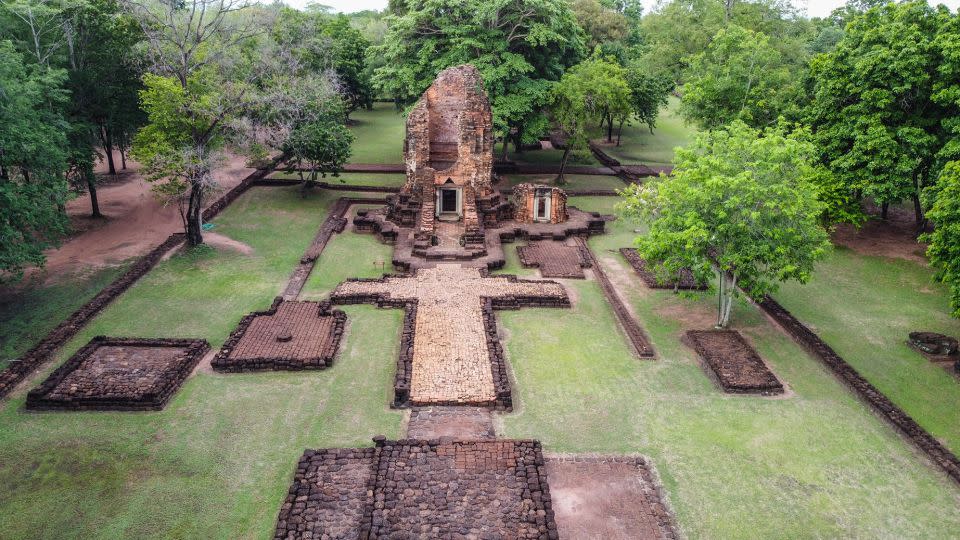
<point x="216" y="462"/>
<point x="638" y="145"/>
<point x="814" y="463"/>
<point x="377" y="134"/>
<point x="864" y="307"/>
<point x="352" y="179"/>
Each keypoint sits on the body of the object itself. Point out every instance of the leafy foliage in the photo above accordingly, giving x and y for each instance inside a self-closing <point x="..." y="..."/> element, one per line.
<point x="32" y="161"/>
<point x="741" y="202"/>
<point x="739" y="76"/>
<point x="944" y="240"/>
<point x="520" y="47"/>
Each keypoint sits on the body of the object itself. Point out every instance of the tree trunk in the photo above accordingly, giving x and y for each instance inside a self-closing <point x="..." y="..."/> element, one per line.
<point x="917" y="207"/>
<point x="563" y="165"/>
<point x="107" y="142"/>
<point x="728" y="287"/>
<point x="609" y="128"/>
<point x="503" y="151"/>
<point x="123" y="159"/>
<point x="92" y="188"/>
<point x="194" y="225"/>
<point x="619" y="132"/>
<point x="884" y="207"/>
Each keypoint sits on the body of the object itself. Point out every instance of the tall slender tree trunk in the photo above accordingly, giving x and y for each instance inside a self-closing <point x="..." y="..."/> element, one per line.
<point x="917" y="207"/>
<point x="563" y="164"/>
<point x="107" y="142"/>
<point x="92" y="188"/>
<point x="609" y="128"/>
<point x="503" y="151"/>
<point x="619" y="131"/>
<point x="728" y="289"/>
<point x="194" y="210"/>
<point x="123" y="159"/>
<point x="884" y="209"/>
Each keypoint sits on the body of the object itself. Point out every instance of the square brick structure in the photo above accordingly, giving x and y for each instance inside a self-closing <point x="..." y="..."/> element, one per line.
<point x="554" y="259"/>
<point x="737" y="366"/>
<point x="112" y="373"/>
<point x="450" y="352"/>
<point x="421" y="489"/>
<point x="289" y="336"/>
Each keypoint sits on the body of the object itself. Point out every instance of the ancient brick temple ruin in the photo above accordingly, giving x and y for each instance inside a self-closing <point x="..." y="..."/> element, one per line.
<point x="449" y="154"/>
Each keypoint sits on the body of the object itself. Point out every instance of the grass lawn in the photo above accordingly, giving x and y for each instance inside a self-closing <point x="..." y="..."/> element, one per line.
<point x="573" y="181"/>
<point x="378" y="134"/>
<point x="30" y="310"/>
<point x="217" y="462"/>
<point x="814" y="464"/>
<point x="637" y="145"/>
<point x="352" y="179"/>
<point x="552" y="156"/>
<point x="864" y="307"/>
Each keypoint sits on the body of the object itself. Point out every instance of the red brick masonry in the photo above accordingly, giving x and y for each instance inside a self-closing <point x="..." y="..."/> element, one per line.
<point x="261" y="342"/>
<point x="119" y="374"/>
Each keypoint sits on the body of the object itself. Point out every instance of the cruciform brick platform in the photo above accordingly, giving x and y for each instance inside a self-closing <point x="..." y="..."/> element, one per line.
<point x="119" y="374"/>
<point x="288" y="336"/>
<point x="450" y="353"/>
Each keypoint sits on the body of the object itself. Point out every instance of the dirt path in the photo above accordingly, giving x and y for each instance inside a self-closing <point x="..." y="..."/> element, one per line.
<point x="135" y="221"/>
<point x="893" y="238"/>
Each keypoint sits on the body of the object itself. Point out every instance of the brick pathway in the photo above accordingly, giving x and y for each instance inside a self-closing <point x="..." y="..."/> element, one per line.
<point x="451" y="357"/>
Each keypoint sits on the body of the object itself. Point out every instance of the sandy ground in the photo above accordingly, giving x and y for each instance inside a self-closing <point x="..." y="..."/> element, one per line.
<point x="135" y="221"/>
<point x="894" y="238"/>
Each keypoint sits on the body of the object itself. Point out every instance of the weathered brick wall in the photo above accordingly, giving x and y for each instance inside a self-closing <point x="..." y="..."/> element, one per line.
<point x="524" y="199"/>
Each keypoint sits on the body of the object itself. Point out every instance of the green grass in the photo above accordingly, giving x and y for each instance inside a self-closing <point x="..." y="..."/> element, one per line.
<point x="573" y="181"/>
<point x="30" y="310"/>
<point x="217" y="462"/>
<point x="864" y="307"/>
<point x="552" y="156"/>
<point x="352" y="179"/>
<point x="814" y="464"/>
<point x="637" y="145"/>
<point x="378" y="135"/>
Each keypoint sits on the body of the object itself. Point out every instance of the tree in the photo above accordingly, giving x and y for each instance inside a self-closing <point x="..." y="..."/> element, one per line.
<point x="520" y="48"/>
<point x="741" y="203"/>
<point x="200" y="81"/>
<point x="944" y="241"/>
<point x="595" y="89"/>
<point x="875" y="122"/>
<point x="103" y="86"/>
<point x="600" y="23"/>
<point x="320" y="43"/>
<point x="647" y="94"/>
<point x="739" y="76"/>
<point x="323" y="145"/>
<point x="32" y="161"/>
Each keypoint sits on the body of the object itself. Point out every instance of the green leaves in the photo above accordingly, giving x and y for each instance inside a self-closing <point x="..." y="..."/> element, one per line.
<point x="740" y="201"/>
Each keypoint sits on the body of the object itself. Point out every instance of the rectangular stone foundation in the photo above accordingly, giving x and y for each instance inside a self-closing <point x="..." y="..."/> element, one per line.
<point x="119" y="374"/>
<point x="421" y="489"/>
<point x="737" y="366"/>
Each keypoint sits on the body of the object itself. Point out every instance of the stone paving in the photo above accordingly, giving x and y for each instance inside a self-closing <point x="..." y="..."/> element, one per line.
<point x="554" y="259"/>
<point x="451" y="356"/>
<point x="421" y="489"/>
<point x="288" y="336"/>
<point x="119" y="374"/>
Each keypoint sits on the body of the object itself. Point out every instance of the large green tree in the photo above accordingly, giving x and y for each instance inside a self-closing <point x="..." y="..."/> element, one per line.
<point x="593" y="91"/>
<point x="875" y="121"/>
<point x="739" y="76"/>
<point x="32" y="161"/>
<point x="520" y="47"/>
<point x="741" y="203"/>
<point x="944" y="240"/>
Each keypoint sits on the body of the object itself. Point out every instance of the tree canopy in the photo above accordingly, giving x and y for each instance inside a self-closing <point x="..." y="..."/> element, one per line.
<point x="741" y="203"/>
<point x="520" y="48"/>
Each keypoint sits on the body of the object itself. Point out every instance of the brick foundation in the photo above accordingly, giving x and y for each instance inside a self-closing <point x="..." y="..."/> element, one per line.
<point x="122" y="374"/>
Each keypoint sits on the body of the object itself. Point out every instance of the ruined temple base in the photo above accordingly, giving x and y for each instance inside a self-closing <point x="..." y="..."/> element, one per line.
<point x="119" y="374"/>
<point x="420" y="489"/>
<point x="409" y="253"/>
<point x="737" y="366"/>
<point x="555" y="259"/>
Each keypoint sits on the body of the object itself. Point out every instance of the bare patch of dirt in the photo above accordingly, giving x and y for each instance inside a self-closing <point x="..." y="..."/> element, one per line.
<point x="225" y="242"/>
<point x="894" y="237"/>
<point x="609" y="498"/>
<point x="462" y="423"/>
<point x="135" y="222"/>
